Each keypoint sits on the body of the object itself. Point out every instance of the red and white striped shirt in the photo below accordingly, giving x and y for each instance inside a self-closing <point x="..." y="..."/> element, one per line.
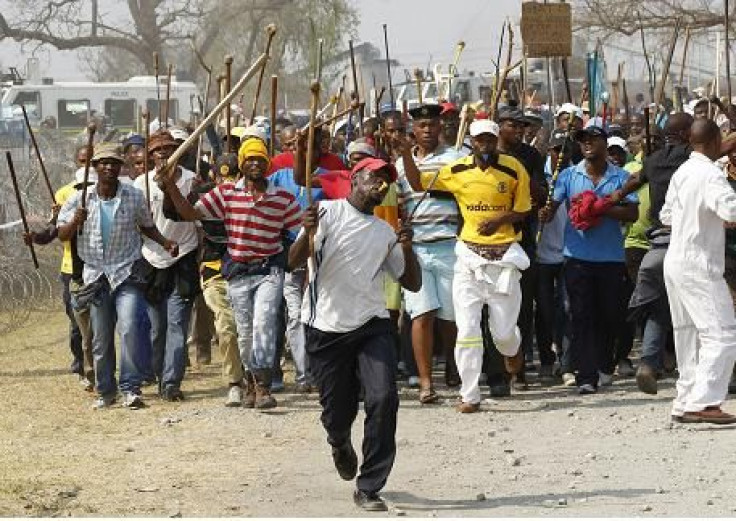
<point x="255" y="227"/>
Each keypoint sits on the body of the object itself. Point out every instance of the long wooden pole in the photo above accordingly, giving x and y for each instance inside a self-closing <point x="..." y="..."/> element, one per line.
<point x="684" y="55"/>
<point x="158" y="88"/>
<point x="356" y="88"/>
<point x="388" y="67"/>
<point x="668" y="63"/>
<point x="228" y="109"/>
<point x="271" y="32"/>
<point x="310" y="156"/>
<point x="274" y="98"/>
<point x="21" y="210"/>
<point x="727" y="50"/>
<point x="146" y="167"/>
<point x="38" y="154"/>
<point x="165" y="122"/>
<point x="91" y="128"/>
<point x="418" y="81"/>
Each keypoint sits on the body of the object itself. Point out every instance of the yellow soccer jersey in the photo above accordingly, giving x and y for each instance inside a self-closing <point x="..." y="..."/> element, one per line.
<point x="62" y="194"/>
<point x="483" y="194"/>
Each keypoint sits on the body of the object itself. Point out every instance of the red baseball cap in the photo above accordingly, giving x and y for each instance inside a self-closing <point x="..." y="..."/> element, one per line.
<point x="374" y="165"/>
<point x="448" y="107"/>
<point x="481" y="115"/>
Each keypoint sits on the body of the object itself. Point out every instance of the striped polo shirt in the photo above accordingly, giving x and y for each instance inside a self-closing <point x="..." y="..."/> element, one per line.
<point x="437" y="218"/>
<point x="255" y="227"/>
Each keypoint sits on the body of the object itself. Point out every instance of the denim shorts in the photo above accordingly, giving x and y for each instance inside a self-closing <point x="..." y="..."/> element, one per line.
<point x="437" y="261"/>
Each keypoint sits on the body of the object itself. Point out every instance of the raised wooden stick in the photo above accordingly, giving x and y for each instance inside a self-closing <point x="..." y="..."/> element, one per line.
<point x="271" y="32"/>
<point x="274" y="98"/>
<point x="158" y="88"/>
<point x="91" y="128"/>
<point x="38" y="154"/>
<point x="356" y="88"/>
<point x="314" y="88"/>
<point x="228" y="109"/>
<point x="165" y="123"/>
<point x="21" y="210"/>
<point x="418" y="82"/>
<point x="146" y="138"/>
<point x="728" y="50"/>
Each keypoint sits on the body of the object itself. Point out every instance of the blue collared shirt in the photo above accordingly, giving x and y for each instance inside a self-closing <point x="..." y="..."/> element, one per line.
<point x="115" y="259"/>
<point x="604" y="242"/>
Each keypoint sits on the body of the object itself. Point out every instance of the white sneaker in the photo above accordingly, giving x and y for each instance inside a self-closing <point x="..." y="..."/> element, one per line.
<point x="234" y="396"/>
<point x="605" y="380"/>
<point x="103" y="402"/>
<point x="413" y="382"/>
<point x="132" y="400"/>
<point x="569" y="380"/>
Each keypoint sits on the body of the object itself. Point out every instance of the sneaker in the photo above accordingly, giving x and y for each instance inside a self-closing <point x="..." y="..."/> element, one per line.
<point x="234" y="396"/>
<point x="102" y="402"/>
<point x="132" y="400"/>
<point x="369" y="501"/>
<point x="587" y="389"/>
<point x="263" y="398"/>
<point x="172" y="394"/>
<point x="625" y="368"/>
<point x="605" y="380"/>
<point x="569" y="380"/>
<point x="413" y="382"/>
<point x="346" y="460"/>
<point x="249" y="399"/>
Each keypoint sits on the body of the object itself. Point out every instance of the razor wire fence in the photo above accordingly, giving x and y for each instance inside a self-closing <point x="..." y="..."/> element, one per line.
<point x="23" y="289"/>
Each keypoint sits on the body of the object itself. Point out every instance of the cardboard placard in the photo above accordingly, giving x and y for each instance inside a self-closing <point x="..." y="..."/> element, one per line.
<point x="546" y="29"/>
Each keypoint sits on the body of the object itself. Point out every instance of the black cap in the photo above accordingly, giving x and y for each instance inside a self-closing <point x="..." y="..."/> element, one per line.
<point x="426" y="111"/>
<point x="227" y="166"/>
<point x="533" y="118"/>
<point x="591" y="132"/>
<point x="513" y="114"/>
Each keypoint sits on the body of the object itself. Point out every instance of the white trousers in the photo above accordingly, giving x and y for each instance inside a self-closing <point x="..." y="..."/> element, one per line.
<point x="469" y="295"/>
<point x="705" y="335"/>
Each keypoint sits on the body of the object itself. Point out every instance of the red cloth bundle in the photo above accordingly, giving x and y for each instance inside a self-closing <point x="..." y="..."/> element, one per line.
<point x="587" y="209"/>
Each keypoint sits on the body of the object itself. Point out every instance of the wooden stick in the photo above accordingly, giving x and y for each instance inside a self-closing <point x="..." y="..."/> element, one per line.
<point x="165" y="123"/>
<point x="627" y="108"/>
<point x="650" y="69"/>
<point x="728" y="50"/>
<point x="355" y="82"/>
<point x="21" y="210"/>
<point x="684" y="55"/>
<point x="388" y="67"/>
<point x="228" y="109"/>
<point x="507" y="69"/>
<point x="146" y="167"/>
<point x="335" y="109"/>
<point x="274" y="98"/>
<point x="204" y="113"/>
<point x="158" y="88"/>
<point x="418" y="81"/>
<point x="38" y="154"/>
<point x="310" y="157"/>
<point x="566" y="78"/>
<point x="192" y="139"/>
<point x="91" y="128"/>
<point x="463" y="128"/>
<point x="647" y="134"/>
<point x="668" y="63"/>
<point x="320" y="45"/>
<point x="271" y="32"/>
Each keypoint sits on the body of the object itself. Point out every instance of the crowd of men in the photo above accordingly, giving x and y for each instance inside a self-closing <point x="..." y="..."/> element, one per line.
<point x="414" y="250"/>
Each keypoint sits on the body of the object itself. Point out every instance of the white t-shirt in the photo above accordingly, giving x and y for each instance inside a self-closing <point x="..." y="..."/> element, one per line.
<point x="183" y="233"/>
<point x="343" y="293"/>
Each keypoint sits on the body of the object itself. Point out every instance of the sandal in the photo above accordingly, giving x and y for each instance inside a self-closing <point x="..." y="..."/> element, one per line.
<point x="428" y="395"/>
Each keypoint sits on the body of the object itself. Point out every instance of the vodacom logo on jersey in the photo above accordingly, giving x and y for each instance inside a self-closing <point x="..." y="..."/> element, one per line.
<point x="483" y="207"/>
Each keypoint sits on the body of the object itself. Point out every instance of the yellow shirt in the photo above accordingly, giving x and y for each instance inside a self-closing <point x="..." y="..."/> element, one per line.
<point x="62" y="194"/>
<point x="483" y="194"/>
<point x="388" y="210"/>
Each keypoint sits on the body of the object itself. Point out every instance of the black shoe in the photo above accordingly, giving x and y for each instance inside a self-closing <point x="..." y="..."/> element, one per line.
<point x="500" y="391"/>
<point x="346" y="460"/>
<point x="172" y="394"/>
<point x="369" y="501"/>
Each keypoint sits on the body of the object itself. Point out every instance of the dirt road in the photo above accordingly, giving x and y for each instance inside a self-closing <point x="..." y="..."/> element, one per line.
<point x="546" y="452"/>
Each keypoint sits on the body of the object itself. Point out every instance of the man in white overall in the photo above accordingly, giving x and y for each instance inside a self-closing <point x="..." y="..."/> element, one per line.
<point x="699" y="200"/>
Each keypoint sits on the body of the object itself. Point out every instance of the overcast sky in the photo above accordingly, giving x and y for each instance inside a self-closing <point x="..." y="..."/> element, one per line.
<point x="418" y="30"/>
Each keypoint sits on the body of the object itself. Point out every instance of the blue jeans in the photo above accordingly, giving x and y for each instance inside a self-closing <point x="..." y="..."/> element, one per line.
<point x="75" y="336"/>
<point x="657" y="327"/>
<point x="110" y="310"/>
<point x="255" y="300"/>
<point x="551" y="315"/>
<point x="144" y="354"/>
<point x="169" y="328"/>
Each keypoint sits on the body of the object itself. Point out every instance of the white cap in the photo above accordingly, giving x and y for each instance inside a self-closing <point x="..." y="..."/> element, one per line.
<point x="615" y="141"/>
<point x="254" y="131"/>
<point x="178" y="133"/>
<point x="595" y="122"/>
<point x="569" y="108"/>
<point x="483" y="126"/>
<point x="155" y="125"/>
<point x="79" y="175"/>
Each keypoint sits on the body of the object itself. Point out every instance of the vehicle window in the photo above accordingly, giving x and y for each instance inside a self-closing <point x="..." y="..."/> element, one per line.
<point x="122" y="113"/>
<point x="461" y="91"/>
<point x="31" y="100"/>
<point x="152" y="106"/>
<point x="73" y="113"/>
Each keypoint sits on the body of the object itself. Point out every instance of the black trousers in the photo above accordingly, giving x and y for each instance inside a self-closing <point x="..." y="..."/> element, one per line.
<point x="550" y="315"/>
<point x="597" y="314"/>
<point x="340" y="363"/>
<point x="75" y="336"/>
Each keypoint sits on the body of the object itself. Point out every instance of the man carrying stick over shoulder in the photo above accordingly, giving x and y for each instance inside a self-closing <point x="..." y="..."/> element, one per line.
<point x="347" y="324"/>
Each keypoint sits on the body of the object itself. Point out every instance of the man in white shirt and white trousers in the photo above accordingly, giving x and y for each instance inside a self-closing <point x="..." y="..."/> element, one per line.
<point x="699" y="201"/>
<point x="348" y="332"/>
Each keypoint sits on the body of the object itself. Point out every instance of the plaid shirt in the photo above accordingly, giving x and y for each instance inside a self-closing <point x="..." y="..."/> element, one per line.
<point x="124" y="248"/>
